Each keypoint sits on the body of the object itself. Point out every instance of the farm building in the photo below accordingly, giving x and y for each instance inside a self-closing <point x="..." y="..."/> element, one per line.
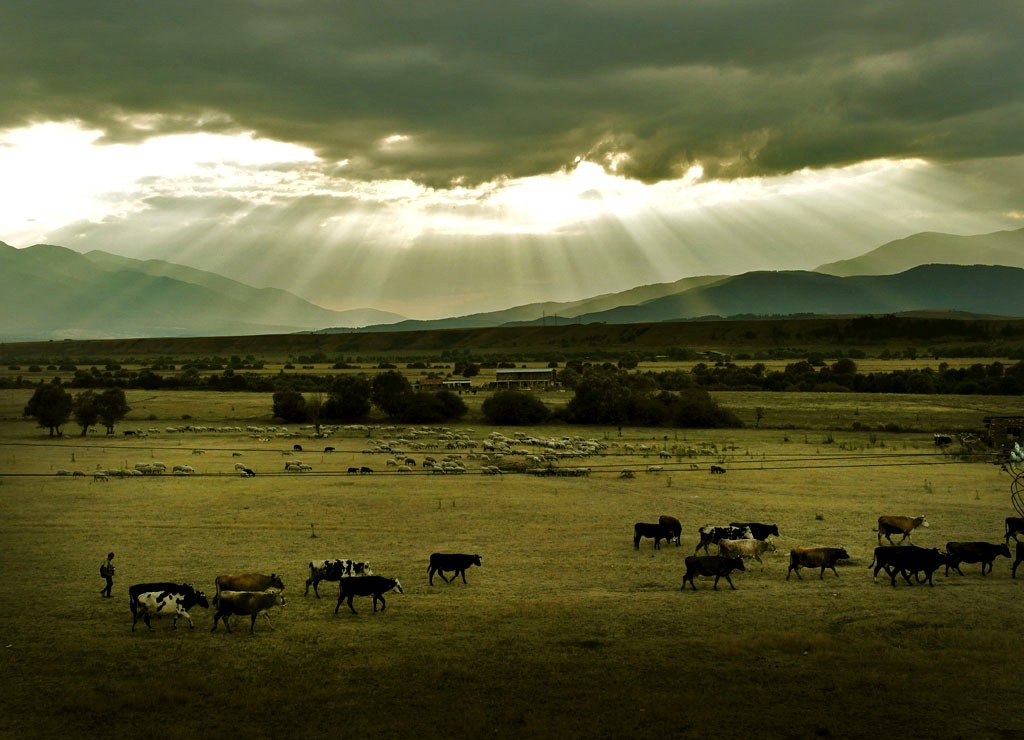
<point x="436" y="384"/>
<point x="524" y="378"/>
<point x="1003" y="430"/>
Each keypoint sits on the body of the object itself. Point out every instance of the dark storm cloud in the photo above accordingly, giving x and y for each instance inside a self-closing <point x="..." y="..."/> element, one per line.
<point x="512" y="89"/>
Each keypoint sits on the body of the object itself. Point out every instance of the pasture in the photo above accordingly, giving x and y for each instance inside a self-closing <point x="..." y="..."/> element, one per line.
<point x="564" y="631"/>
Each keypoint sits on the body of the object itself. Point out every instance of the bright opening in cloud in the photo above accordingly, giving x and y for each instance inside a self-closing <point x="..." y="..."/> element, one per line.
<point x="58" y="173"/>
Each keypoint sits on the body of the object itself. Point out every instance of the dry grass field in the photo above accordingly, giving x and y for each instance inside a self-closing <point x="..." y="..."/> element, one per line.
<point x="565" y="630"/>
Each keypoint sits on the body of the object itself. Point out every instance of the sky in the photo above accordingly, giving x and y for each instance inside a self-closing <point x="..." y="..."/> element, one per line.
<point x="447" y="157"/>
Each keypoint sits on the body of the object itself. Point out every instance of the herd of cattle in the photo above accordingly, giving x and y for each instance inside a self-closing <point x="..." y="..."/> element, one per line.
<point x="253" y="594"/>
<point x="742" y="541"/>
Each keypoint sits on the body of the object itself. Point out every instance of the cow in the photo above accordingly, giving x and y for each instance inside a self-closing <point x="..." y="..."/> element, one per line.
<point x="246" y="603"/>
<point x="974" y="552"/>
<point x="815" y="557"/>
<point x="147" y="600"/>
<point x="364" y="470"/>
<point x="333" y="570"/>
<point x="375" y="586"/>
<point x="746" y="549"/>
<point x="713" y="535"/>
<point x="353" y="470"/>
<point x="1014" y="526"/>
<point x="717" y="469"/>
<point x="248" y="582"/>
<point x="710" y="565"/>
<point x="904" y="525"/>
<point x="442" y="562"/>
<point x="656" y="531"/>
<point x="907" y="560"/>
<point x="1019" y="557"/>
<point x="328" y="449"/>
<point x="674" y="526"/>
<point x="758" y="530"/>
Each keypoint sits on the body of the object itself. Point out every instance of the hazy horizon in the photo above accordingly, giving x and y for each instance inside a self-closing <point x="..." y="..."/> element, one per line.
<point x="450" y="158"/>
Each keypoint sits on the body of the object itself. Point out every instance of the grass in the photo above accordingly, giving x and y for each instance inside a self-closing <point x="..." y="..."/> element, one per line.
<point x="565" y="630"/>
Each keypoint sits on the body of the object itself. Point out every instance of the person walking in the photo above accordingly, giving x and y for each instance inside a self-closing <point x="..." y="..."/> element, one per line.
<point x="107" y="571"/>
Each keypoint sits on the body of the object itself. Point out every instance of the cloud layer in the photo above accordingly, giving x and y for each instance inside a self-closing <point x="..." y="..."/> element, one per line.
<point x="467" y="92"/>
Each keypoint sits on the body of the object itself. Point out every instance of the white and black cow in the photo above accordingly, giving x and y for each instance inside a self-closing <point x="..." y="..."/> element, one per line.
<point x="758" y="530"/>
<point x="375" y="586"/>
<point x="333" y="571"/>
<point x="441" y="562"/>
<point x="713" y="535"/>
<point x="246" y="603"/>
<point x="148" y="600"/>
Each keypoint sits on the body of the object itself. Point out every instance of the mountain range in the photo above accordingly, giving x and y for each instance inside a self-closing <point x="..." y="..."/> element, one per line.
<point x="51" y="292"/>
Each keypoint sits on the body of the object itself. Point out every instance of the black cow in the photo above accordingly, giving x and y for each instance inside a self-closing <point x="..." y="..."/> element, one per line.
<point x="1014" y="527"/>
<point x="674" y="526"/>
<point x="974" y="552"/>
<point x="441" y="562"/>
<point x="375" y="586"/>
<point x="333" y="570"/>
<point x="758" y="530"/>
<point x="908" y="560"/>
<point x="297" y="448"/>
<point x="148" y="600"/>
<point x="654" y="530"/>
<point x="717" y="469"/>
<point x="364" y="470"/>
<point x="712" y="535"/>
<point x="1018" y="559"/>
<point x="710" y="565"/>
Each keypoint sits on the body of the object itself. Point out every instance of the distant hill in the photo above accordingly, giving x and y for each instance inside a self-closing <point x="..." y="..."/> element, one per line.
<point x="998" y="248"/>
<point x="50" y="292"/>
<point x="550" y="313"/>
<point x="977" y="289"/>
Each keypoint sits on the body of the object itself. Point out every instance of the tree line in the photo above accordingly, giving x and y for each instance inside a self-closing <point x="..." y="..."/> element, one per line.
<point x="602" y="394"/>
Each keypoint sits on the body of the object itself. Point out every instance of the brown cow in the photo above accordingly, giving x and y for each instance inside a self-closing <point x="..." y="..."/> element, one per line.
<point x="246" y="603"/>
<point x="248" y="582"/>
<point x="904" y="525"/>
<point x="815" y="557"/>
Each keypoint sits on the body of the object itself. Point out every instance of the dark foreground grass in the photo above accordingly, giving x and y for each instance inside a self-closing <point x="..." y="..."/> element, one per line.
<point x="565" y="631"/>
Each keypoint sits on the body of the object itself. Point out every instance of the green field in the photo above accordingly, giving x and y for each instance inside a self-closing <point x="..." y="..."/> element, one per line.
<point x="565" y="630"/>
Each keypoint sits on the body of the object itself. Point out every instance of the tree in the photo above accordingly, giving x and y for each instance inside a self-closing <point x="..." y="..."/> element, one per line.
<point x="514" y="408"/>
<point x="315" y="410"/>
<point x="601" y="398"/>
<point x="349" y="399"/>
<point x="86" y="410"/>
<point x="390" y="392"/>
<point x="51" y="406"/>
<point x="431" y="407"/>
<point x="289" y="405"/>
<point x="112" y="407"/>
